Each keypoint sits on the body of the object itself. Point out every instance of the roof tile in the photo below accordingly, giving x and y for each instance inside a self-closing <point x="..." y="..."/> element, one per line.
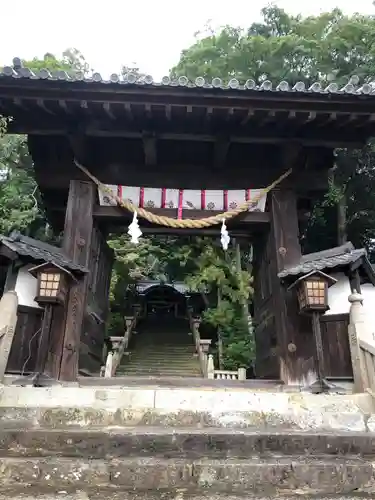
<point x="39" y="251"/>
<point x="18" y="71"/>
<point x="326" y="259"/>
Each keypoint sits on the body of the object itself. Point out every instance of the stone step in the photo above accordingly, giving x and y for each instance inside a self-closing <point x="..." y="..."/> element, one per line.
<point x="159" y="350"/>
<point x="313" y="475"/>
<point x="71" y="493"/>
<point x="159" y="373"/>
<point x="154" y="405"/>
<point x="160" y="364"/>
<point x="167" y="443"/>
<point x="162" y="356"/>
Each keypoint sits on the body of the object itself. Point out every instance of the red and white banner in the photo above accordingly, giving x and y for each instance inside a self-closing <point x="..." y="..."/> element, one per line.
<point x="186" y="199"/>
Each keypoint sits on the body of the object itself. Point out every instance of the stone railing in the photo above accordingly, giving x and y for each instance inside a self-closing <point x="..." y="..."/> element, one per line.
<point x="120" y="344"/>
<point x="362" y="346"/>
<point x="202" y="345"/>
<point x="213" y="374"/>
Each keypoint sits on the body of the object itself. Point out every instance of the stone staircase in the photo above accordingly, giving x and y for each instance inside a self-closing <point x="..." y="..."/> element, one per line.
<point x="161" y="348"/>
<point x="96" y="443"/>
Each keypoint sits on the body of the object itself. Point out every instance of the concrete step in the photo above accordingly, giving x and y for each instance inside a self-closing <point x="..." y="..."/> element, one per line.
<point x="166" y="443"/>
<point x="321" y="475"/>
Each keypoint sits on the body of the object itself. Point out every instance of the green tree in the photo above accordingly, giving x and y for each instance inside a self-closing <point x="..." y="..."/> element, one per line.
<point x="20" y="207"/>
<point x="331" y="46"/>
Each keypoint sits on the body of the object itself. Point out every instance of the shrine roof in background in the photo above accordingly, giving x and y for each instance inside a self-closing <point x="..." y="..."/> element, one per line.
<point x="50" y="103"/>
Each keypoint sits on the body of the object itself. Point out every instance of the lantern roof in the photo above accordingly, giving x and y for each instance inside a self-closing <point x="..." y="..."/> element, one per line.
<point x="48" y="265"/>
<point x="329" y="279"/>
<point x="342" y="257"/>
<point x="31" y="250"/>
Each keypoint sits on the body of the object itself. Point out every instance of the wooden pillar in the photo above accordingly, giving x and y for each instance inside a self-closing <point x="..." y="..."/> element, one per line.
<point x="67" y="324"/>
<point x="293" y="343"/>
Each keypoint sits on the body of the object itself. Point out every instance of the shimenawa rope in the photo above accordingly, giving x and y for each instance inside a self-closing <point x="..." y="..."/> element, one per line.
<point x="161" y="220"/>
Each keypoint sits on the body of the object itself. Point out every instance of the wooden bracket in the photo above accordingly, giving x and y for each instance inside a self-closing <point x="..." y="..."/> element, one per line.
<point x="221" y="148"/>
<point x="149" y="148"/>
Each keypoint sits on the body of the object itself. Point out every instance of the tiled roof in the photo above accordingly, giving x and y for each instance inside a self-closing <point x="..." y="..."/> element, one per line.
<point x="326" y="259"/>
<point x="352" y="87"/>
<point x="39" y="251"/>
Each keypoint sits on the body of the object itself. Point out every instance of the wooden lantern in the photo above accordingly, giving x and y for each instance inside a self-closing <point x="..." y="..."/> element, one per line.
<point x="312" y="291"/>
<point x="53" y="283"/>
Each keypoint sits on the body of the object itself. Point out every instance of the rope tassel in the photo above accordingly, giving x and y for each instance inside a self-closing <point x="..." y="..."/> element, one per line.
<point x="225" y="238"/>
<point x="134" y="230"/>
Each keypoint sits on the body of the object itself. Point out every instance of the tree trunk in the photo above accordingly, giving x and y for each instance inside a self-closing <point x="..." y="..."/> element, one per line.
<point x="342" y="236"/>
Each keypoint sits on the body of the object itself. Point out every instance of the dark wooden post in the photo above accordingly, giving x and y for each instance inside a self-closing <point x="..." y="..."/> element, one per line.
<point x="285" y="251"/>
<point x="77" y="245"/>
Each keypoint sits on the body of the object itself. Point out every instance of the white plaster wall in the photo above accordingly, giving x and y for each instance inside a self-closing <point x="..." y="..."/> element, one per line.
<point x="338" y="300"/>
<point x="26" y="287"/>
<point x="338" y="295"/>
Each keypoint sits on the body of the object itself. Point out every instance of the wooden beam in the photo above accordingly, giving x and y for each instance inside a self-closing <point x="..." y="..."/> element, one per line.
<point x="106" y="213"/>
<point x="190" y="177"/>
<point x="149" y="148"/>
<point x="325" y="139"/>
<point x="180" y="96"/>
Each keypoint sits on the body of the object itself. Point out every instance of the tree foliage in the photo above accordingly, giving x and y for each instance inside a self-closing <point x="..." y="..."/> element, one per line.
<point x="20" y="207"/>
<point x="324" y="48"/>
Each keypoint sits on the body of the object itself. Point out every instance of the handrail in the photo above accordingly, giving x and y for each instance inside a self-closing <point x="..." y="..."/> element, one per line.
<point x="362" y="346"/>
<point x="114" y="357"/>
<point x="213" y="374"/>
<point x="198" y="343"/>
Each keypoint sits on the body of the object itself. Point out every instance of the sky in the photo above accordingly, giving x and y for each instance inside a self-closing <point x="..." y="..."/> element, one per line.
<point x="147" y="33"/>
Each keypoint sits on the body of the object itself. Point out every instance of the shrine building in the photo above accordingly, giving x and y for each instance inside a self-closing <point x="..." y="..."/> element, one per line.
<point x="185" y="150"/>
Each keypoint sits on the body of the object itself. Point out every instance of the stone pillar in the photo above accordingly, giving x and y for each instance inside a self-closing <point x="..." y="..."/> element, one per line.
<point x="8" y="321"/>
<point x="109" y="365"/>
<point x="357" y="330"/>
<point x="210" y="367"/>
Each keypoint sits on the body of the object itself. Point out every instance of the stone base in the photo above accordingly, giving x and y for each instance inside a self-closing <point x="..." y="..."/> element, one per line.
<point x="111" y="494"/>
<point x="256" y="476"/>
<point x="85" y="407"/>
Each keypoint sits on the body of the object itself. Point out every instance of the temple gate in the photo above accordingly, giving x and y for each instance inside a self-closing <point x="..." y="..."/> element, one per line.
<point x="219" y="140"/>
